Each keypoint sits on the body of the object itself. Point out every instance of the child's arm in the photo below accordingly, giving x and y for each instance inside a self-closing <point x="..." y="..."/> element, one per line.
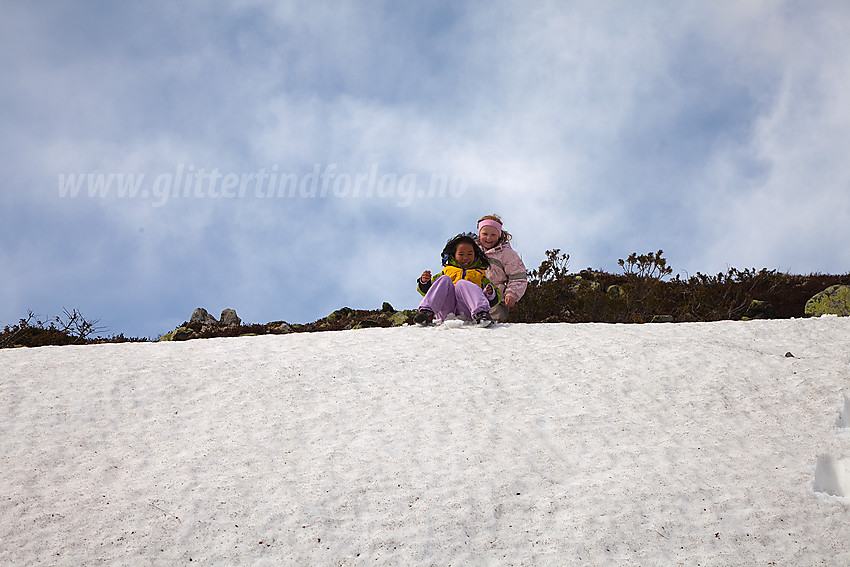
<point x="517" y="278"/>
<point x="491" y="292"/>
<point x="424" y="282"/>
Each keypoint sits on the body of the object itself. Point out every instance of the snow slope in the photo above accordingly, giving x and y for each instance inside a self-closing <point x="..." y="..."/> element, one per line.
<point x="686" y="444"/>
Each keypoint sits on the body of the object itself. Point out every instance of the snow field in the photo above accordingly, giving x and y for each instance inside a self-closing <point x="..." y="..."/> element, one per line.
<point x="558" y="444"/>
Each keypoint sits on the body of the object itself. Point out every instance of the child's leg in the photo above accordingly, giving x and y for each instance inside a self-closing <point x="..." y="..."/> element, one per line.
<point x="470" y="299"/>
<point x="440" y="298"/>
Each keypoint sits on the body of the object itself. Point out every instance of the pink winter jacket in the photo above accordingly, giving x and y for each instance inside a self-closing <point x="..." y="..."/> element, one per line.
<point x="507" y="270"/>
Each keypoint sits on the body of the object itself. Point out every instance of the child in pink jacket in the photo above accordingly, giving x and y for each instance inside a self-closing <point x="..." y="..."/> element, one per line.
<point x="506" y="269"/>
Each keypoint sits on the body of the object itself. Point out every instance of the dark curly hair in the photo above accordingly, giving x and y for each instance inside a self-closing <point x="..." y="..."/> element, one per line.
<point x="468" y="237"/>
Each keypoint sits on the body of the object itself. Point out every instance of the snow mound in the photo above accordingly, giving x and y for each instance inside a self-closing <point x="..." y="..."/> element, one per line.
<point x="832" y="476"/>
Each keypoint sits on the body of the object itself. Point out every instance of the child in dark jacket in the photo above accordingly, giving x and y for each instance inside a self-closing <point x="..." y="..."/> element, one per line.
<point x="461" y="287"/>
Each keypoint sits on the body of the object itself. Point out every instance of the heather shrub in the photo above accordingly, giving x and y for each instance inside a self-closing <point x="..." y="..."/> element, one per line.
<point x="549" y="289"/>
<point x="642" y="292"/>
<point x="70" y="328"/>
<point x="646" y="296"/>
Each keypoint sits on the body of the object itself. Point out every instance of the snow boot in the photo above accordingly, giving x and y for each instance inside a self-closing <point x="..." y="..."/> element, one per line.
<point x="424" y="318"/>
<point x="483" y="319"/>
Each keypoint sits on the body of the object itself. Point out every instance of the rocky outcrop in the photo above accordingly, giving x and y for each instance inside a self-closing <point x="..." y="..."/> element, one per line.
<point x="202" y="325"/>
<point x="834" y="300"/>
<point x="200" y="315"/>
<point x="229" y="317"/>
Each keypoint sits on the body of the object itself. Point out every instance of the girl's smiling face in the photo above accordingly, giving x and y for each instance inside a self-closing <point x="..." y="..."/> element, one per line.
<point x="488" y="236"/>
<point x="464" y="254"/>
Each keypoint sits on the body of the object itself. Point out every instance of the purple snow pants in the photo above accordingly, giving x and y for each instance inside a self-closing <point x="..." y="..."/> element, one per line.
<point x="463" y="298"/>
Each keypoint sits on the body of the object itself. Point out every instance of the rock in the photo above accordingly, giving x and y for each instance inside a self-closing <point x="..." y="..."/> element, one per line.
<point x="758" y="310"/>
<point x="341" y="313"/>
<point x="200" y="315"/>
<point x="398" y="319"/>
<point x="615" y="291"/>
<point x="662" y="319"/>
<point x="283" y="328"/>
<point x="229" y="317"/>
<point x="789" y="355"/>
<point x="387" y="308"/>
<point x="834" y="300"/>
<point x="580" y="284"/>
<point x="182" y="334"/>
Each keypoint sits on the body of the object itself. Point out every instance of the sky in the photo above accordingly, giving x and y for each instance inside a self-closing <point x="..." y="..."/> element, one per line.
<point x="286" y="159"/>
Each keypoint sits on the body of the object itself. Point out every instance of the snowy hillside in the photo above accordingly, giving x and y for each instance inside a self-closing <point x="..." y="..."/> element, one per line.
<point x="516" y="445"/>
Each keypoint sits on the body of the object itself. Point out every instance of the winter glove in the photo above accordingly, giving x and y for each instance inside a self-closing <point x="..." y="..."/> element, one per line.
<point x="424" y="282"/>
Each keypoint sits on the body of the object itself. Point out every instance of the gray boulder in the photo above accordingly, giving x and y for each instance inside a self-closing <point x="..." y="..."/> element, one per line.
<point x="834" y="300"/>
<point x="200" y="315"/>
<point x="229" y="317"/>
